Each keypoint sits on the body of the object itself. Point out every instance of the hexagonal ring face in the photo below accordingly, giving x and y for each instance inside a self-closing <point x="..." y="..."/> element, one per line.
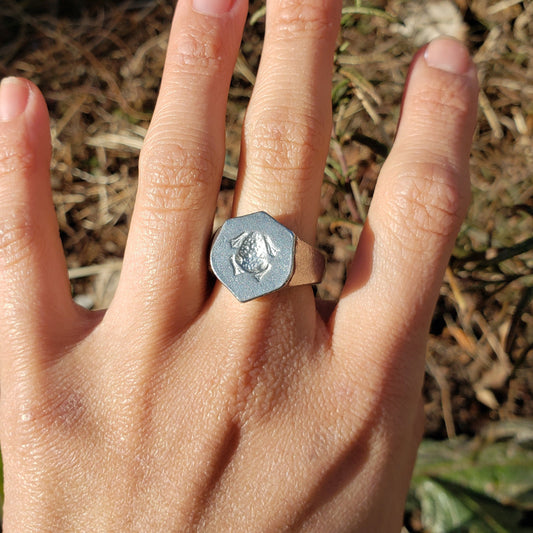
<point x="253" y="255"/>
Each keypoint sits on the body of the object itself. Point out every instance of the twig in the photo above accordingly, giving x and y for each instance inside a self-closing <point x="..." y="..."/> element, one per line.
<point x="445" y="396"/>
<point x="94" y="270"/>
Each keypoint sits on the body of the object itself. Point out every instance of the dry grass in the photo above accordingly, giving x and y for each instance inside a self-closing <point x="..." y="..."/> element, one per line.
<point x="100" y="69"/>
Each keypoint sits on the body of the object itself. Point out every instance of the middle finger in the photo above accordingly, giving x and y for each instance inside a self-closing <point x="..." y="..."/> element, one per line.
<point x="165" y="268"/>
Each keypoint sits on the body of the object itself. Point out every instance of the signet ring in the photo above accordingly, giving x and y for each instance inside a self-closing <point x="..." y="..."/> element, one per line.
<point x="254" y="255"/>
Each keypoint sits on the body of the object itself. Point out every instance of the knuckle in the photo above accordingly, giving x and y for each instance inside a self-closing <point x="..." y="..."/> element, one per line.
<point x="446" y="102"/>
<point x="299" y="17"/>
<point x="18" y="231"/>
<point x="17" y="238"/>
<point x="15" y="158"/>
<point x="198" y="51"/>
<point x="426" y="206"/>
<point x="284" y="144"/>
<point x="173" y="180"/>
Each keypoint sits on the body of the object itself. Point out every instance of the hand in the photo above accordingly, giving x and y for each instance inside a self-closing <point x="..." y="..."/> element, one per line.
<point x="180" y="408"/>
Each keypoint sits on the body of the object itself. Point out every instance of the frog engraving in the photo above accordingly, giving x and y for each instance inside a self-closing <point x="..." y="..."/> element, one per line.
<point x="253" y="254"/>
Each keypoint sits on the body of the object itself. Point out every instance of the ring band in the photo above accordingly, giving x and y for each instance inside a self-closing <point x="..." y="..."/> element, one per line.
<point x="254" y="255"/>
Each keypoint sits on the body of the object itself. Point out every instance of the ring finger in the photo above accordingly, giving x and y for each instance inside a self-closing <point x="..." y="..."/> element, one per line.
<point x="288" y="122"/>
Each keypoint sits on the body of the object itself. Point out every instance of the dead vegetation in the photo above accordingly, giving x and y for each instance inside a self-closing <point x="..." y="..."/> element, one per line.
<point x="99" y="67"/>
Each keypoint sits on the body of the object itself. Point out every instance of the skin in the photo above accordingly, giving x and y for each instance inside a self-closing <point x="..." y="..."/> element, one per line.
<point x="179" y="408"/>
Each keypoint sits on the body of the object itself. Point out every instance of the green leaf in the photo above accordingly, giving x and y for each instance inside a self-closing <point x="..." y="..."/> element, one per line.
<point x="450" y="508"/>
<point x="339" y="91"/>
<point x="480" y="486"/>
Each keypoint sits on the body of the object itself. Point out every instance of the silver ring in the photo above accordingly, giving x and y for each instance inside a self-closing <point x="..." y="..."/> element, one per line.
<point x="254" y="255"/>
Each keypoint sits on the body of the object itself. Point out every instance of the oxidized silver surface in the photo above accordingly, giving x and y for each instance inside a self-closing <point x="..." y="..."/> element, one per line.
<point x="253" y="255"/>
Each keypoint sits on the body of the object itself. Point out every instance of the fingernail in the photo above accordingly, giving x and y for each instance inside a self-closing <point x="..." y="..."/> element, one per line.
<point x="449" y="55"/>
<point x="14" y="93"/>
<point x="212" y="7"/>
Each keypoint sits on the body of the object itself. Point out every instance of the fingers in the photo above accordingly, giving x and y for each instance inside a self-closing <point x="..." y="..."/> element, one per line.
<point x="181" y="166"/>
<point x="288" y="122"/>
<point x="422" y="196"/>
<point x="34" y="288"/>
